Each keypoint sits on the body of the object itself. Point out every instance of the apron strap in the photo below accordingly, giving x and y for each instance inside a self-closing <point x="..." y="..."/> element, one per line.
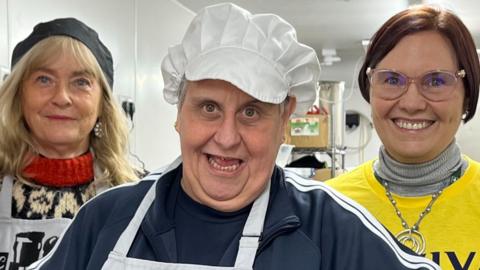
<point x="128" y="235"/>
<point x="126" y="238"/>
<point x="253" y="229"/>
<point x="6" y="197"/>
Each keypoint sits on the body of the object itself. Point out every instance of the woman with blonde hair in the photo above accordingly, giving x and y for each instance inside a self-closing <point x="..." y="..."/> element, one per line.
<point x="62" y="136"/>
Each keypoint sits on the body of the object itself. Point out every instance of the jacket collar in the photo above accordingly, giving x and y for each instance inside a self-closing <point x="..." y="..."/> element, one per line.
<point x="280" y="214"/>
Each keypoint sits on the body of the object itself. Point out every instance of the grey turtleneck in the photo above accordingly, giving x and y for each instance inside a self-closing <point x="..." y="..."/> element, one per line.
<point x="412" y="180"/>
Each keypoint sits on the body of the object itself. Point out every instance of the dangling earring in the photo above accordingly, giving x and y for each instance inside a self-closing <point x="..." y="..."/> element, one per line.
<point x="97" y="129"/>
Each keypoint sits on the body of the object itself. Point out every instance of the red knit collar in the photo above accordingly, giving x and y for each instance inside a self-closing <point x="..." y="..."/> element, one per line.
<point x="61" y="172"/>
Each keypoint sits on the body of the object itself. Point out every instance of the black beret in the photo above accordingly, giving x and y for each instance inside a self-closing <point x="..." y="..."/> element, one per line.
<point x="73" y="28"/>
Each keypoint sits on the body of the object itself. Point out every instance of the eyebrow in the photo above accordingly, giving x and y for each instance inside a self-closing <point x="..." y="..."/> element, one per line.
<point x="83" y="72"/>
<point x="199" y="99"/>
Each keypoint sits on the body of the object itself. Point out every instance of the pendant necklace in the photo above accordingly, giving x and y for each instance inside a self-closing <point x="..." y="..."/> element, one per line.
<point x="411" y="236"/>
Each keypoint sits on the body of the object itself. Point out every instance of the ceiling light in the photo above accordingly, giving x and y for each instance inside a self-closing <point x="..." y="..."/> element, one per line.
<point x="365" y="44"/>
<point x="329" y="52"/>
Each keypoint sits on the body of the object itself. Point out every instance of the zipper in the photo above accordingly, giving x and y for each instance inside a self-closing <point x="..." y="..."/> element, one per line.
<point x="288" y="225"/>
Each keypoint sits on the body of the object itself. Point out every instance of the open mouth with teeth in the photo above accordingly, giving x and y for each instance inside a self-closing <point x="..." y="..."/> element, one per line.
<point x="413" y="125"/>
<point x="224" y="164"/>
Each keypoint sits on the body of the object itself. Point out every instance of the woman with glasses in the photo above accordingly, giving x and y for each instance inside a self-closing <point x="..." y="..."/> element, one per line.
<point x="421" y="77"/>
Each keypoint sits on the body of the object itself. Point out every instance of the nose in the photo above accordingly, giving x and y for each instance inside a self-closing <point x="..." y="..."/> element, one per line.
<point x="412" y="100"/>
<point x="227" y="135"/>
<point x="61" y="97"/>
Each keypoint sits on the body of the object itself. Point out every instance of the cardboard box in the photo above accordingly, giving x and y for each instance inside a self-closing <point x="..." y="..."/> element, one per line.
<point x="309" y="131"/>
<point x="325" y="174"/>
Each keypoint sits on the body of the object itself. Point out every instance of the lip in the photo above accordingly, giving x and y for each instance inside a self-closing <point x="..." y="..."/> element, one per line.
<point x="59" y="117"/>
<point x="224" y="172"/>
<point x="412" y="125"/>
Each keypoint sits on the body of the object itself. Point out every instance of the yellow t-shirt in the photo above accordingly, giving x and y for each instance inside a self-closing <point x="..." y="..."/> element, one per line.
<point x="451" y="229"/>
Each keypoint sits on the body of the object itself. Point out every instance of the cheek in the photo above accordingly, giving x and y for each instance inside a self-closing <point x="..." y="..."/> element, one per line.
<point x="263" y="143"/>
<point x="453" y="115"/>
<point x="193" y="134"/>
<point x="380" y="108"/>
<point x="377" y="112"/>
<point x="31" y="109"/>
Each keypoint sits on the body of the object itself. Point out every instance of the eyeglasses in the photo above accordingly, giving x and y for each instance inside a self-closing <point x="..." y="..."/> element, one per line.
<point x="435" y="85"/>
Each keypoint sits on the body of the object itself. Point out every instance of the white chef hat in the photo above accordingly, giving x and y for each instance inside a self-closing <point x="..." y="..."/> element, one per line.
<point x="259" y="54"/>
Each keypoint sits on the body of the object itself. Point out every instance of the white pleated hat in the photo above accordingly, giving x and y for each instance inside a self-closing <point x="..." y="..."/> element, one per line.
<point x="259" y="54"/>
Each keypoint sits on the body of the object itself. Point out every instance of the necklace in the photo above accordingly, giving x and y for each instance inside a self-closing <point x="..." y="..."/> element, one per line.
<point x="411" y="236"/>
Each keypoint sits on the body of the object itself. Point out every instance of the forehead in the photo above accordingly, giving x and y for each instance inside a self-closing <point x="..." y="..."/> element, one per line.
<point x="55" y="52"/>
<point x="419" y="52"/>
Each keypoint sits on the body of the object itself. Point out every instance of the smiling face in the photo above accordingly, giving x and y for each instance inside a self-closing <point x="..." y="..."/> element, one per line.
<point x="412" y="128"/>
<point x="229" y="143"/>
<point x="61" y="103"/>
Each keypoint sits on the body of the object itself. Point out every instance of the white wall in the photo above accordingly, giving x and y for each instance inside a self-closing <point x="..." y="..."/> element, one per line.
<point x="468" y="137"/>
<point x="4" y="50"/>
<point x="160" y="25"/>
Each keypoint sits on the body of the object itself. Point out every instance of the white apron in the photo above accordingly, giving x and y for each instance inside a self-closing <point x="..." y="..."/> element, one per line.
<point x="118" y="260"/>
<point x="23" y="241"/>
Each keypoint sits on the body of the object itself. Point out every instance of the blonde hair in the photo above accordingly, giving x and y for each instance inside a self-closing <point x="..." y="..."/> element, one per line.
<point x="16" y="144"/>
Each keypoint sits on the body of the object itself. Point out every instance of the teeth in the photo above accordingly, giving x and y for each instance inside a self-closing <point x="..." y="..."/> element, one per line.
<point x="410" y="125"/>
<point x="217" y="166"/>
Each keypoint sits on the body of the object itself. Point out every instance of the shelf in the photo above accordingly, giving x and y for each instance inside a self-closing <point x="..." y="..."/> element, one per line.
<point x="302" y="150"/>
<point x="333" y="153"/>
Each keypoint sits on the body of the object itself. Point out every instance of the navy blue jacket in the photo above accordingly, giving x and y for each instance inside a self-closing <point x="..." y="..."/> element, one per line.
<point x="308" y="226"/>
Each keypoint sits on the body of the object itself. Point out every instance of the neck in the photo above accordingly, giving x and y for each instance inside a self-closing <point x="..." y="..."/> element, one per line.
<point x="62" y="151"/>
<point x="423" y="178"/>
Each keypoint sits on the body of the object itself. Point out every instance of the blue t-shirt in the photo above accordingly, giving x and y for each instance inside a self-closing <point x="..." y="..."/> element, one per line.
<point x="197" y="225"/>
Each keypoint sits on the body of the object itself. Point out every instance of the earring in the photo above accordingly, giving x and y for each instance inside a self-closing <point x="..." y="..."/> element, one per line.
<point x="175" y="125"/>
<point x="97" y="129"/>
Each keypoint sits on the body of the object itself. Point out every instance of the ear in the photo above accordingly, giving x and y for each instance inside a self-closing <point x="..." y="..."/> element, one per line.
<point x="289" y="109"/>
<point x="465" y="108"/>
<point x="175" y="125"/>
<point x="287" y="112"/>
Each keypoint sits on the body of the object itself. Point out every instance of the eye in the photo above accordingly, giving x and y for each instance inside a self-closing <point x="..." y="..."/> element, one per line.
<point x="250" y="112"/>
<point x="43" y="80"/>
<point x="392" y="79"/>
<point x="209" y="107"/>
<point x="435" y="80"/>
<point x="82" y="83"/>
<point x="388" y="78"/>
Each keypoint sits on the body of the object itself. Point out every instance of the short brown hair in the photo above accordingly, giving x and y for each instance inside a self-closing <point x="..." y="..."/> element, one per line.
<point x="427" y="18"/>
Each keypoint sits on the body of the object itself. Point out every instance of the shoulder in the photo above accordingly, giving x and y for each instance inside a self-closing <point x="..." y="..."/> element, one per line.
<point x="328" y="216"/>
<point x="316" y="199"/>
<point x="315" y="195"/>
<point x="354" y="177"/>
<point x="116" y="203"/>
<point x="96" y="228"/>
<point x="472" y="163"/>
